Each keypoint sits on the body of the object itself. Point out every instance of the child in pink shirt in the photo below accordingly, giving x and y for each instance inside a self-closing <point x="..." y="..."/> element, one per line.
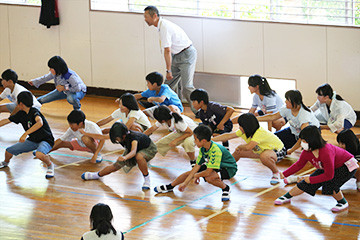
<point x="335" y="167"/>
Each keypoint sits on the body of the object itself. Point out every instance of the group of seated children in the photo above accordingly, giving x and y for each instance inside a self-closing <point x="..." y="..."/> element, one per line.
<point x="214" y="163"/>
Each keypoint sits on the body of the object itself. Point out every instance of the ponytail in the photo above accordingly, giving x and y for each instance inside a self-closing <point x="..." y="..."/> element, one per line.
<point x="295" y="97"/>
<point x="100" y="219"/>
<point x="102" y="226"/>
<point x="264" y="87"/>
<point x="305" y="107"/>
<point x="177" y="117"/>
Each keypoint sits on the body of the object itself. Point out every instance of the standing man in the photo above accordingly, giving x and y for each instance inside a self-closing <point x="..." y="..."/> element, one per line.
<point x="179" y="53"/>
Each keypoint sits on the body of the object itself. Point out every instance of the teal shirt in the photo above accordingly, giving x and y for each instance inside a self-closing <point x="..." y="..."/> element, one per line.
<point x="218" y="157"/>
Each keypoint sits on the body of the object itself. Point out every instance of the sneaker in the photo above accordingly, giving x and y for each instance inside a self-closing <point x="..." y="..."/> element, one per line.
<point x="146" y="184"/>
<point x="281" y="200"/>
<point x="193" y="163"/>
<point x="3" y="164"/>
<point x="99" y="158"/>
<point x="358" y="186"/>
<point x="339" y="207"/>
<point x="162" y="189"/>
<point x="275" y="179"/>
<point x="225" y="196"/>
<point x="50" y="171"/>
<point x="291" y="179"/>
<point x="90" y="176"/>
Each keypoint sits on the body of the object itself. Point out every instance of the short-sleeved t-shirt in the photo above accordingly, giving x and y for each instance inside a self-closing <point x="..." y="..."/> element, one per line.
<point x="91" y="235"/>
<point x="180" y="126"/>
<point x="296" y="122"/>
<point x="217" y="157"/>
<point x="271" y="103"/>
<point x="172" y="36"/>
<point x="142" y="139"/>
<point x="171" y="97"/>
<point x="139" y="116"/>
<point x="215" y="112"/>
<point x="90" y="127"/>
<point x="266" y="140"/>
<point x="12" y="96"/>
<point x="27" y="120"/>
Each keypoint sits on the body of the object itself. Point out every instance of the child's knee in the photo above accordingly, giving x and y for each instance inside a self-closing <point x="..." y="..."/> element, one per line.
<point x="40" y="155"/>
<point x="87" y="140"/>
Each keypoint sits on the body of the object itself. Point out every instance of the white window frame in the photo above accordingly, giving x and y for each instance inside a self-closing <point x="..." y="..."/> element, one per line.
<point x="350" y="16"/>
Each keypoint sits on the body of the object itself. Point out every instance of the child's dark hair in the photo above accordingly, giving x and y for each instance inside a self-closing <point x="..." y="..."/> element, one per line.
<point x="326" y="90"/>
<point x="26" y="98"/>
<point x="118" y="130"/>
<point x="295" y="97"/>
<point x="312" y="135"/>
<point x="152" y="10"/>
<point x="249" y="123"/>
<point x="203" y="132"/>
<point x="163" y="113"/>
<point x="58" y="64"/>
<point x="199" y="95"/>
<point x="129" y="101"/>
<point x="264" y="87"/>
<point x="100" y="219"/>
<point x="10" y="74"/>
<point x="350" y="140"/>
<point x="155" y="77"/>
<point x="76" y="116"/>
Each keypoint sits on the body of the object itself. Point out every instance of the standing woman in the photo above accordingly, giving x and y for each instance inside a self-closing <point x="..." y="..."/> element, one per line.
<point x="298" y="116"/>
<point x="335" y="167"/>
<point x="101" y="227"/>
<point x="265" y="99"/>
<point x="332" y="111"/>
<point x="68" y="84"/>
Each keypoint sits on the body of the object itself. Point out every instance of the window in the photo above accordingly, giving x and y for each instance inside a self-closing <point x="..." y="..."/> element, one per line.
<point x="330" y="12"/>
<point x="24" y="2"/>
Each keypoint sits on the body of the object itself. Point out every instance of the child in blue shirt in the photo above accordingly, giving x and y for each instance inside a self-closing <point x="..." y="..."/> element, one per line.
<point x="213" y="114"/>
<point x="159" y="94"/>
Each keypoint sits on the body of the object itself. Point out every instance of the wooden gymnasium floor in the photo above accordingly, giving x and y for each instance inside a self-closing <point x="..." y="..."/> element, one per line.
<point x="32" y="207"/>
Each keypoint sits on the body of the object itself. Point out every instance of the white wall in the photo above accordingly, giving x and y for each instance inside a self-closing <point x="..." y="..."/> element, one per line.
<point x="116" y="50"/>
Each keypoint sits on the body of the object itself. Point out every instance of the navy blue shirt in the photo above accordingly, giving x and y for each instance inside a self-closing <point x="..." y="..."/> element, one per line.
<point x="27" y="120"/>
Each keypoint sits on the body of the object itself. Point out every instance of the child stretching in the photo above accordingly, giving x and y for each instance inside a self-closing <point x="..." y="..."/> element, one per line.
<point x="298" y="116"/>
<point x="128" y="113"/>
<point x="266" y="99"/>
<point x="260" y="143"/>
<point x="73" y="139"/>
<point x="36" y="127"/>
<point x="181" y="128"/>
<point x="332" y="111"/>
<point x="213" y="158"/>
<point x="213" y="114"/>
<point x="9" y="80"/>
<point x="349" y="141"/>
<point x="159" y="94"/>
<point x="139" y="149"/>
<point x="335" y="166"/>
